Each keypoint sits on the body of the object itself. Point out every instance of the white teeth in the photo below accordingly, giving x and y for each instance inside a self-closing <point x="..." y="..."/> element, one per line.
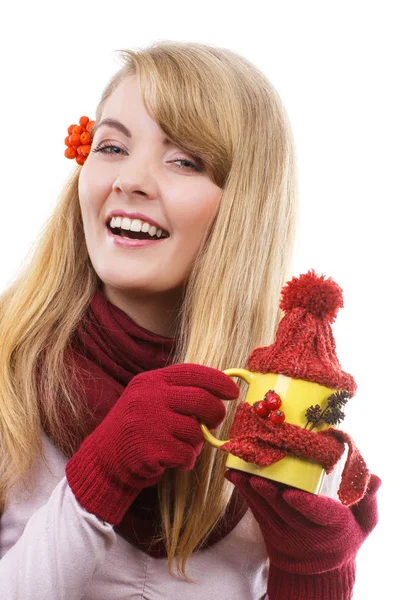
<point x="136" y="225"/>
<point x="126" y="223"/>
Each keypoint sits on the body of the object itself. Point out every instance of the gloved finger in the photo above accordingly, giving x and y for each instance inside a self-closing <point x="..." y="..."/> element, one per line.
<point x="366" y="510"/>
<point x="374" y="484"/>
<point x="207" y="378"/>
<point x="262" y="496"/>
<point x="327" y="511"/>
<point x="242" y="483"/>
<point x="268" y="489"/>
<point x="187" y="430"/>
<point x="320" y="510"/>
<point x="240" y="479"/>
<point x="200" y="404"/>
<point x="182" y="456"/>
<point x="271" y="492"/>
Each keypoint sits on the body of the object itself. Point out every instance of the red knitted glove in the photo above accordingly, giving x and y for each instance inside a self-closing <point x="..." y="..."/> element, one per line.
<point x="311" y="540"/>
<point x="154" y="425"/>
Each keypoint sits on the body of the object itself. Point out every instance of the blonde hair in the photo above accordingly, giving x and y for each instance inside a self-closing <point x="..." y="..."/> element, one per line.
<point x="219" y="107"/>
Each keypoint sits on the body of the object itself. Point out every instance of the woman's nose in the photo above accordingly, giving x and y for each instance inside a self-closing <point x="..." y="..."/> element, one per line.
<point x="135" y="178"/>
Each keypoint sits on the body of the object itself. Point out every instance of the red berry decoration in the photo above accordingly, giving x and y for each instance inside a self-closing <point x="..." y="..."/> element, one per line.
<point x="90" y="126"/>
<point x="79" y="140"/>
<point x="74" y="139"/>
<point x="85" y="137"/>
<point x="261" y="408"/>
<point x="273" y="400"/>
<point x="277" y="417"/>
<point x="70" y="152"/>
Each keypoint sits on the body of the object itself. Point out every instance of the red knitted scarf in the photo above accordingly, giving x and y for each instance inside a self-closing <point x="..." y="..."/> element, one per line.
<point x="108" y="349"/>
<point x="257" y="440"/>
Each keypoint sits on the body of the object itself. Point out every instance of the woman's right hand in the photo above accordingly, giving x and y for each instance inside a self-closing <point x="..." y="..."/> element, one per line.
<point x="154" y="425"/>
<point x="311" y="540"/>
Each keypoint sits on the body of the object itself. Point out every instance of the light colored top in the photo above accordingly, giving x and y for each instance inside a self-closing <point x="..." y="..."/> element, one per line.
<point x="53" y="549"/>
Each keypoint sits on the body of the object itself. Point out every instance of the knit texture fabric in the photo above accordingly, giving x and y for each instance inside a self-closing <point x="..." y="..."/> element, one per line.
<point x="257" y="440"/>
<point x="154" y="426"/>
<point x="312" y="540"/>
<point x="107" y="350"/>
<point x="305" y="347"/>
<point x="337" y="584"/>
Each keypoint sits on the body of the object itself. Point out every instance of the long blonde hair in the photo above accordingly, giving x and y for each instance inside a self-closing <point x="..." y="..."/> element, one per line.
<point x="219" y="107"/>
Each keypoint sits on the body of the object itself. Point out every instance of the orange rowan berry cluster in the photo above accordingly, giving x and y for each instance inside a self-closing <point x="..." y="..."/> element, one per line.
<point x="79" y="140"/>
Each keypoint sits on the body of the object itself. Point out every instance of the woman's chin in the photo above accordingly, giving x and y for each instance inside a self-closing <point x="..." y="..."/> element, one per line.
<point x="137" y="286"/>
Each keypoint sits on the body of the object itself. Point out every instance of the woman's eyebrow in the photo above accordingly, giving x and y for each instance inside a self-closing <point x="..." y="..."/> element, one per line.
<point x="120" y="127"/>
<point x="112" y="123"/>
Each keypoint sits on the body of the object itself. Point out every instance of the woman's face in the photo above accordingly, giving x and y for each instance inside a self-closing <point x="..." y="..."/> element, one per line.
<point x="150" y="183"/>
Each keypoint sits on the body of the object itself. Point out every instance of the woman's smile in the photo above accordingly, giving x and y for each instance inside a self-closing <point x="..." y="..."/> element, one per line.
<point x="131" y="239"/>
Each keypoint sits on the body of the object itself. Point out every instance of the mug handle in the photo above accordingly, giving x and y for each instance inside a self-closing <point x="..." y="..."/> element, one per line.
<point x="247" y="376"/>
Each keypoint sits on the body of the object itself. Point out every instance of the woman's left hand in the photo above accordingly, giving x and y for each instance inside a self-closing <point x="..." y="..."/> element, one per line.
<point x="309" y="538"/>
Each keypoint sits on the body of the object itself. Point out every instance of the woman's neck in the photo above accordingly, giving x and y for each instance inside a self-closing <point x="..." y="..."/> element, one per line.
<point x="158" y="313"/>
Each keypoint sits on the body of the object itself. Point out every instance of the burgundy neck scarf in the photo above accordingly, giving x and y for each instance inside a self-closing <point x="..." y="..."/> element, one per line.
<point x="109" y="348"/>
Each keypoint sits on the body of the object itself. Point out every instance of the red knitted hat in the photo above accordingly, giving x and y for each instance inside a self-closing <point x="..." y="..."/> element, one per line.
<point x="304" y="347"/>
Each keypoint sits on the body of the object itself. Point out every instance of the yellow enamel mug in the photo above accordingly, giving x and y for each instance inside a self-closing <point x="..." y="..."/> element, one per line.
<point x="297" y="396"/>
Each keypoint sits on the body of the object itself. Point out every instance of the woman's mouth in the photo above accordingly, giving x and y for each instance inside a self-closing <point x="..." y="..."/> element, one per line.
<point x="141" y="234"/>
<point x="128" y="233"/>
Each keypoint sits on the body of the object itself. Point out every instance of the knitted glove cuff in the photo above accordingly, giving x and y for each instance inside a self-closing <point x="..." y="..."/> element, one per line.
<point x="330" y="585"/>
<point x="96" y="491"/>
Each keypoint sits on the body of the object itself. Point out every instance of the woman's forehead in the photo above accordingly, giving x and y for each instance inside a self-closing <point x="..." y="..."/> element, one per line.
<point x="124" y="111"/>
<point x="126" y="97"/>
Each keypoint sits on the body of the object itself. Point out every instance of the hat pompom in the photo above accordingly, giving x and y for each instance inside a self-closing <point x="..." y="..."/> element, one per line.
<point x="316" y="294"/>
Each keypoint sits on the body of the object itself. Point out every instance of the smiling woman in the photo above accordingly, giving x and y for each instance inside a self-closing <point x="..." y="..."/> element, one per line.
<point x="142" y="175"/>
<point x="176" y="238"/>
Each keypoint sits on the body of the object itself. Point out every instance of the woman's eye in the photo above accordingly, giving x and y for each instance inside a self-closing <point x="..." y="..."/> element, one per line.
<point x="105" y="147"/>
<point x="188" y="162"/>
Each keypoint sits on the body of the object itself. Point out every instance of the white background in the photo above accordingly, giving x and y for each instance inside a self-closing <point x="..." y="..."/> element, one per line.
<point x="336" y="68"/>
